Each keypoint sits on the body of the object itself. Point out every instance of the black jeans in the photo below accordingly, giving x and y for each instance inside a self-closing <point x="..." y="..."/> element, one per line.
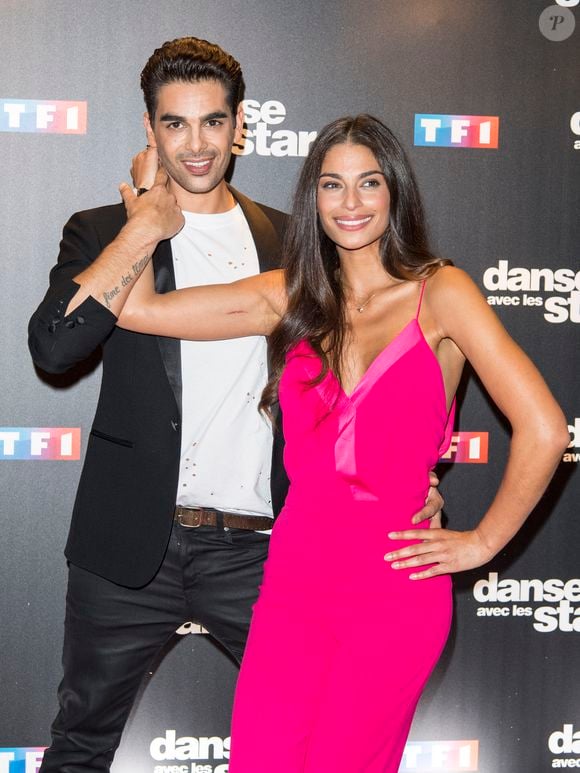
<point x="113" y="634"/>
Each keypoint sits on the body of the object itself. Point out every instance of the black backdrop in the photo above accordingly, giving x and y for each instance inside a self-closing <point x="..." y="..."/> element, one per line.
<point x="504" y="698"/>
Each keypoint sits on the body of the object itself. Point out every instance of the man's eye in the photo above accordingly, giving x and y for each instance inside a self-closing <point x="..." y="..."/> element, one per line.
<point x="174" y="125"/>
<point x="214" y="122"/>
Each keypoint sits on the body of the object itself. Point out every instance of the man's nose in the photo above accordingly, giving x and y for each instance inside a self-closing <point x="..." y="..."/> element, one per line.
<point x="195" y="140"/>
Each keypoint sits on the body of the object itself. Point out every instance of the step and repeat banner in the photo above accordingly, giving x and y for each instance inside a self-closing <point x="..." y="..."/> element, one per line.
<point x="484" y="95"/>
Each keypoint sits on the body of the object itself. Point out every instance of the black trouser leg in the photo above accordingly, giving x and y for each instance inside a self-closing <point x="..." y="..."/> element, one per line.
<point x="112" y="634"/>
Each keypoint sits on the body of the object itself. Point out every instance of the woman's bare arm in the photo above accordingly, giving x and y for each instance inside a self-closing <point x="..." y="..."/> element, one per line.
<point x="251" y="306"/>
<point x="539" y="430"/>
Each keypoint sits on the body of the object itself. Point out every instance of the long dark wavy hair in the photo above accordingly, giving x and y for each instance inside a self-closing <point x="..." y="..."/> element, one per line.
<point x="316" y="301"/>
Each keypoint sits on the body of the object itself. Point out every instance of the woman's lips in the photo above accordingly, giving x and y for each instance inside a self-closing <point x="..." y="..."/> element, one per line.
<point x="352" y="223"/>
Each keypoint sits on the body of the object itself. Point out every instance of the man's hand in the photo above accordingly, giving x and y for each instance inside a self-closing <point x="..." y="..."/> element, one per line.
<point x="444" y="551"/>
<point x="154" y="216"/>
<point x="145" y="164"/>
<point x="433" y="505"/>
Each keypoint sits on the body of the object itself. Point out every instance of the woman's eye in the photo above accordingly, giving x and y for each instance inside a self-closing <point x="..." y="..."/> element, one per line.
<point x="329" y="185"/>
<point x="371" y="183"/>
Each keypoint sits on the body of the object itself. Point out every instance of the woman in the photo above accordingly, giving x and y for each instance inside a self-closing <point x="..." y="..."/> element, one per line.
<point x="369" y="332"/>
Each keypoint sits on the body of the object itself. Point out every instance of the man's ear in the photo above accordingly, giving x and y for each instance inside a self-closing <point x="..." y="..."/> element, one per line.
<point x="149" y="130"/>
<point x="240" y="117"/>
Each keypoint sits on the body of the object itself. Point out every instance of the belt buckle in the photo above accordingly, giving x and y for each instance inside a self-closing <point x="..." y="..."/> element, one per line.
<point x="195" y="513"/>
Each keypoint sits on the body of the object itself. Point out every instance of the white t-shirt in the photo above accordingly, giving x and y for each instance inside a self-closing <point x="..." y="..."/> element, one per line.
<point x="226" y="443"/>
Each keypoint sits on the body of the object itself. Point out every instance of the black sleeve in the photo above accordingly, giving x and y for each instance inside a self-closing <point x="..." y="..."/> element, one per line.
<point x="57" y="342"/>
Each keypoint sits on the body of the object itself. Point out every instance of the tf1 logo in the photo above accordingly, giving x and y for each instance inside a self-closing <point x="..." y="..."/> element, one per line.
<point x="43" y="443"/>
<point x="456" y="131"/>
<point x="469" y="447"/>
<point x="439" y="756"/>
<point x="23" y="760"/>
<point x="43" y="116"/>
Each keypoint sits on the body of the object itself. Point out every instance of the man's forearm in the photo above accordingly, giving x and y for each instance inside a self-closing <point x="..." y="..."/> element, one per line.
<point x="110" y="278"/>
<point x="150" y="218"/>
<point x="88" y="288"/>
<point x="56" y="343"/>
<point x="85" y="298"/>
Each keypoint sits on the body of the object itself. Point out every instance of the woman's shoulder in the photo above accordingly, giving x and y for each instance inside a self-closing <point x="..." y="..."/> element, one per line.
<point x="448" y="283"/>
<point x="456" y="303"/>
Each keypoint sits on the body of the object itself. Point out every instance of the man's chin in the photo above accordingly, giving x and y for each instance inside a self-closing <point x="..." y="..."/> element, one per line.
<point x="199" y="185"/>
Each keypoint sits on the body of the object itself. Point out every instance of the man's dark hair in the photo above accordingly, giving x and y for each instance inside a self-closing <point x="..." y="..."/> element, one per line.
<point x="190" y="60"/>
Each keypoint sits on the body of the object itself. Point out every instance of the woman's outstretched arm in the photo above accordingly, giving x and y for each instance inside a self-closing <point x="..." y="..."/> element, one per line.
<point x="539" y="430"/>
<point x="251" y="306"/>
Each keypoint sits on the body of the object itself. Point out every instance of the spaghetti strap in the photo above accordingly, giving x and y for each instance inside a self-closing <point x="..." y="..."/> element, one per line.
<point x="420" y="299"/>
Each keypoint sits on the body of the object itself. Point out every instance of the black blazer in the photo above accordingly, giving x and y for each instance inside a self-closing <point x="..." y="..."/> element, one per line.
<point x="124" y="506"/>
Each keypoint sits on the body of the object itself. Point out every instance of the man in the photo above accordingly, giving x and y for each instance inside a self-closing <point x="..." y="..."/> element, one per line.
<point x="175" y="490"/>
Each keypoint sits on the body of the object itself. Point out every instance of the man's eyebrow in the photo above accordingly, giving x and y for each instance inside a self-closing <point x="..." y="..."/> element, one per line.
<point x="361" y="175"/>
<point x="170" y="117"/>
<point x="215" y="114"/>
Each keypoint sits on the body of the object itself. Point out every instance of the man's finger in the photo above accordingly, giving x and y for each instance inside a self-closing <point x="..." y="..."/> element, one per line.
<point x="126" y="193"/>
<point x="434" y="498"/>
<point x="433" y="479"/>
<point x="433" y="505"/>
<point x="161" y="177"/>
<point x="436" y="522"/>
<point x="428" y="511"/>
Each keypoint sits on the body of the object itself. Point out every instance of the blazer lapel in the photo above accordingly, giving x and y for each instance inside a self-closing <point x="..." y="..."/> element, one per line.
<point x="264" y="234"/>
<point x="170" y="347"/>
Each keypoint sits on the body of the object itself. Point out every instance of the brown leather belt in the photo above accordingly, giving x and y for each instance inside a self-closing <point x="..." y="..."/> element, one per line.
<point x="193" y="517"/>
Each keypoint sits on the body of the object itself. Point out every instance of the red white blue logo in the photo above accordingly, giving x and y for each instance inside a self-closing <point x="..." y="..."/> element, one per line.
<point x="61" y="444"/>
<point x="44" y="116"/>
<point x="438" y="756"/>
<point x="469" y="447"/>
<point x="456" y="131"/>
<point x="21" y="760"/>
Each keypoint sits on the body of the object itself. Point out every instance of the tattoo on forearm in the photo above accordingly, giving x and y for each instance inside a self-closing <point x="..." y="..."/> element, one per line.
<point x="140" y="265"/>
<point x="108" y="295"/>
<point x="126" y="279"/>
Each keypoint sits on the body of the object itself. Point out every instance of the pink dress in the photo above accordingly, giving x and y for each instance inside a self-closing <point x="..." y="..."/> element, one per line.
<point x="341" y="644"/>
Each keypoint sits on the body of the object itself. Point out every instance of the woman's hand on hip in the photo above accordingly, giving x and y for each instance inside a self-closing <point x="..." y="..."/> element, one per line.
<point x="442" y="551"/>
